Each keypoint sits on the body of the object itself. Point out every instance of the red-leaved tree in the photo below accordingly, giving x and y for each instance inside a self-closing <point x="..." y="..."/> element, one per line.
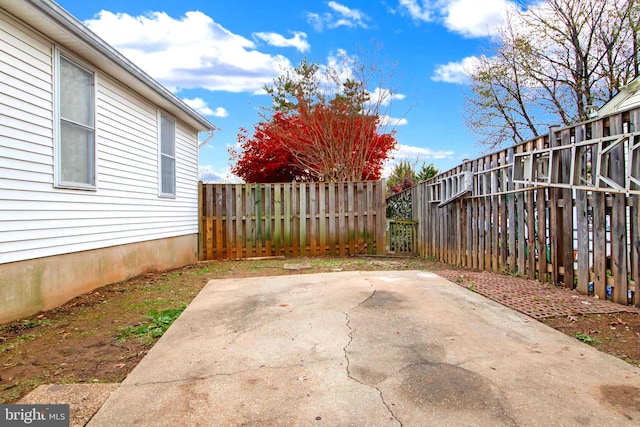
<point x="322" y="128"/>
<point x="264" y="157"/>
<point x="335" y="143"/>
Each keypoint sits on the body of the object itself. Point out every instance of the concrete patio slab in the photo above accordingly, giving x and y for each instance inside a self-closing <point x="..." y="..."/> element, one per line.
<point x="367" y="348"/>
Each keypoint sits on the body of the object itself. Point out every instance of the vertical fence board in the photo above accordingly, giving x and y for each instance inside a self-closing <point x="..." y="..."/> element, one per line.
<point x="380" y="216"/>
<point x="531" y="235"/>
<point x="313" y="218"/>
<point x="251" y="214"/>
<point x="277" y="219"/>
<point x="351" y="224"/>
<point x="240" y="238"/>
<point x="487" y="215"/>
<point x="582" y="218"/>
<point x="634" y="215"/>
<point x="287" y="220"/>
<point x="495" y="219"/>
<point x="619" y="252"/>
<point x="302" y="194"/>
<point x="521" y="238"/>
<point x="511" y="208"/>
<point x="481" y="219"/>
<point x="599" y="245"/>
<point x="322" y="220"/>
<point x="218" y="218"/>
<point x="475" y="245"/>
<point x="582" y="225"/>
<point x="370" y="225"/>
<point x="333" y="235"/>
<point x="543" y="232"/>
<point x="267" y="231"/>
<point x="555" y="217"/>
<point x="635" y="248"/>
<point x="567" y="212"/>
<point x="361" y="208"/>
<point x="342" y="227"/>
<point x="296" y="219"/>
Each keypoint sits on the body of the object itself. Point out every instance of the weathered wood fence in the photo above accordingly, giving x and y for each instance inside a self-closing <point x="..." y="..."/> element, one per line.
<point x="291" y="219"/>
<point x="561" y="208"/>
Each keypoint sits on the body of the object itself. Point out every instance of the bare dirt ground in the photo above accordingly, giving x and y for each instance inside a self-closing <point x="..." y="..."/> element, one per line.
<point x="101" y="336"/>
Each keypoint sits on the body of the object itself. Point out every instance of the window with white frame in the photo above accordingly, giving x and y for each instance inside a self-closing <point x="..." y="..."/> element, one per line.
<point x="76" y="146"/>
<point x="167" y="155"/>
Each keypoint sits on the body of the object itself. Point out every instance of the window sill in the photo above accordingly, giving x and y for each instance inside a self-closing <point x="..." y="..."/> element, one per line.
<point x="67" y="186"/>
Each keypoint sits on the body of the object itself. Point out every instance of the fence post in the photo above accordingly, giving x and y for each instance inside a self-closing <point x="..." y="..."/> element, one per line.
<point x="618" y="220"/>
<point x="582" y="217"/>
<point x="201" y="245"/>
<point x="634" y="123"/>
<point x="555" y="212"/>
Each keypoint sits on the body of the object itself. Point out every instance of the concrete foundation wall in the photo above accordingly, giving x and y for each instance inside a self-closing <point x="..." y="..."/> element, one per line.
<point x="31" y="286"/>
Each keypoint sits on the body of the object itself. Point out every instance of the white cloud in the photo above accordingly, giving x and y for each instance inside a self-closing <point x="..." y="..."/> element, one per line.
<point x="201" y="107"/>
<point x="470" y="20"/>
<point x="316" y="21"/>
<point x="384" y="97"/>
<point x="190" y="52"/>
<point x="420" y="10"/>
<point x="209" y="174"/>
<point x="348" y="17"/>
<point x="339" y="66"/>
<point x="455" y="72"/>
<point x="220" y="112"/>
<point x="341" y="16"/>
<point x="420" y="153"/>
<point x="298" y="41"/>
<point x="415" y="155"/>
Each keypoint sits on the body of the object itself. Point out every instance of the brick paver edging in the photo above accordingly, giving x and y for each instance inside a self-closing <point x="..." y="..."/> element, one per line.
<point x="530" y="297"/>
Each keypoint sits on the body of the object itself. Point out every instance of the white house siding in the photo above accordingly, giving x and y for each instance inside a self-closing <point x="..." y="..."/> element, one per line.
<point x="38" y="220"/>
<point x="632" y="102"/>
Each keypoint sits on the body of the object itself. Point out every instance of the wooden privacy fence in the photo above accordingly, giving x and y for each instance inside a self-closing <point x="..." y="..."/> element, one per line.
<point x="291" y="219"/>
<point x="561" y="208"/>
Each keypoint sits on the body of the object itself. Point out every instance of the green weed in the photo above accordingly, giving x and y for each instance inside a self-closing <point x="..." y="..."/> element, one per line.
<point x="159" y="322"/>
<point x="587" y="339"/>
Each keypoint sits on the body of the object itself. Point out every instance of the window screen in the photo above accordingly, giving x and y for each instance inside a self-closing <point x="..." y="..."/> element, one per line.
<point x="77" y="132"/>
<point x="167" y="156"/>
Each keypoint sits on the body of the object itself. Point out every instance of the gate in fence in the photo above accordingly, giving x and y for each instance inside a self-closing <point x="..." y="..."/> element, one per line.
<point x="402" y="229"/>
<point x="402" y="236"/>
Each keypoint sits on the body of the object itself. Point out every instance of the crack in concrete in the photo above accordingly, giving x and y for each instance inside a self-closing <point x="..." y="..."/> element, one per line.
<point x="219" y="374"/>
<point x="346" y="356"/>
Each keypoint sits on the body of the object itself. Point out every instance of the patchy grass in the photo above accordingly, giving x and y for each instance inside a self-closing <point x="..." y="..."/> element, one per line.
<point x="158" y="323"/>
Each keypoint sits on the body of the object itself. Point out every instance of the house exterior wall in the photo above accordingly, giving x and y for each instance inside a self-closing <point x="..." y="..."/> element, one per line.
<point x="35" y="285"/>
<point x="38" y="220"/>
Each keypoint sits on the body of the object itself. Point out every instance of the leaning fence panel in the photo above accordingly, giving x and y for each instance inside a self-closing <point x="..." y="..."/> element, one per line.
<point x="561" y="208"/>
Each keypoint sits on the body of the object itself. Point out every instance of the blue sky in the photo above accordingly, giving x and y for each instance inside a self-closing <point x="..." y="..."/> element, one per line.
<point x="217" y="55"/>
